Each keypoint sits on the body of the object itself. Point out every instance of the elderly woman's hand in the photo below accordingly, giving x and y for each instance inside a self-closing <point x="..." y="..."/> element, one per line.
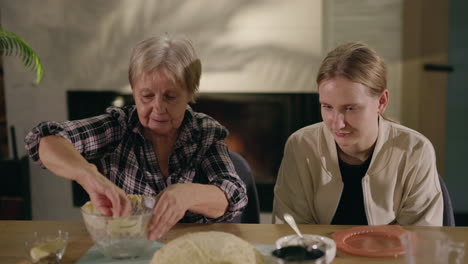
<point x="174" y="201"/>
<point x="60" y="156"/>
<point x="170" y="207"/>
<point x="109" y="199"/>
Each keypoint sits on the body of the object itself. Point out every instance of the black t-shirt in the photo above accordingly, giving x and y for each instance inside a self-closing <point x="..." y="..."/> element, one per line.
<point x="351" y="210"/>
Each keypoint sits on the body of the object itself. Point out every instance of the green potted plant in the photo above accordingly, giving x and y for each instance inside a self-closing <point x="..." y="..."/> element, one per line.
<point x="15" y="189"/>
<point x="13" y="45"/>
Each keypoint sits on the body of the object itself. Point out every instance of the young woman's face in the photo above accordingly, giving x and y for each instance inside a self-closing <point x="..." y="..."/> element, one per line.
<point x="351" y="113"/>
<point x="160" y="103"/>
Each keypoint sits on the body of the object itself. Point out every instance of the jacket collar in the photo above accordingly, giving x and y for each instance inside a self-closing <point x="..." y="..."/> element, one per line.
<point x="382" y="150"/>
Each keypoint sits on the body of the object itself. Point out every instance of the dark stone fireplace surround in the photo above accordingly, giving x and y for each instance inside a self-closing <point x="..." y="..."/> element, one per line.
<point x="259" y="125"/>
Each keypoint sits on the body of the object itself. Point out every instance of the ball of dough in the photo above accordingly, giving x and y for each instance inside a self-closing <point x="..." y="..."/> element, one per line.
<point x="206" y="248"/>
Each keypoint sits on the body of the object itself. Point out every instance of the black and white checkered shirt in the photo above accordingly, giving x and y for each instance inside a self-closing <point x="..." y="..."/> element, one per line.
<point x="115" y="142"/>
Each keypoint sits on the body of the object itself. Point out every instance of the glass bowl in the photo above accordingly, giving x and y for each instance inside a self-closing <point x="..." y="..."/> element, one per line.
<point x="121" y="237"/>
<point x="46" y="248"/>
<point x="310" y="242"/>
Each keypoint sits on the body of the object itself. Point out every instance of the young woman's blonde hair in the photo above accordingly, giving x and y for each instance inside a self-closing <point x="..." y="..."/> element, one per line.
<point x="173" y="55"/>
<point x="358" y="63"/>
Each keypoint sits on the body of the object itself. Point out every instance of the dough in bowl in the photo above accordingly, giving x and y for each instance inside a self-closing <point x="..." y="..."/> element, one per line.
<point x="208" y="248"/>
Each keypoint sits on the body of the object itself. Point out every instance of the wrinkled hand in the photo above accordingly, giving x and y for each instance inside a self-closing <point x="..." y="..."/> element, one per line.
<point x="171" y="206"/>
<point x="109" y="199"/>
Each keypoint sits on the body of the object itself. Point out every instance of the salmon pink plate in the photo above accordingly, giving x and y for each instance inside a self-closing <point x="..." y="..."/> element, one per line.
<point x="372" y="241"/>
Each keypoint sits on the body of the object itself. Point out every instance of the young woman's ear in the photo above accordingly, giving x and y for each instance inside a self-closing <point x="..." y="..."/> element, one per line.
<point x="383" y="101"/>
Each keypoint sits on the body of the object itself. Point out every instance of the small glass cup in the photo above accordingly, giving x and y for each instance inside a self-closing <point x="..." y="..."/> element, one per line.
<point x="46" y="248"/>
<point x="432" y="248"/>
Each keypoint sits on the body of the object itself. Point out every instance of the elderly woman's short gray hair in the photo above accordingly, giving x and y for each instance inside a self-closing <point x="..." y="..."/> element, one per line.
<point x="174" y="55"/>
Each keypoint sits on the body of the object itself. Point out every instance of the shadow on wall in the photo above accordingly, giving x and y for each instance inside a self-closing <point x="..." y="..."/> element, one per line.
<point x="102" y="35"/>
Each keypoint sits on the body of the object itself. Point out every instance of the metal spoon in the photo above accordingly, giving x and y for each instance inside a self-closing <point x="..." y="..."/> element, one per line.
<point x="290" y="220"/>
<point x="317" y="247"/>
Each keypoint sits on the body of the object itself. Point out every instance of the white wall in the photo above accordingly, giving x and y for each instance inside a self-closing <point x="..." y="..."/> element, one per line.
<point x="377" y="23"/>
<point x="245" y="45"/>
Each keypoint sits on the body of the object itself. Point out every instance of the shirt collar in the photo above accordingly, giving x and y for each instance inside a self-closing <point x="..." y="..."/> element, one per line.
<point x="189" y="130"/>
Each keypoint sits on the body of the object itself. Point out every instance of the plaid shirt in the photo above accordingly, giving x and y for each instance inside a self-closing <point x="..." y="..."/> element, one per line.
<point x="115" y="142"/>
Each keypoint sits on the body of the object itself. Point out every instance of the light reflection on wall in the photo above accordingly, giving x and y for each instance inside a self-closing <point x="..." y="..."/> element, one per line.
<point x="244" y="45"/>
<point x="272" y="46"/>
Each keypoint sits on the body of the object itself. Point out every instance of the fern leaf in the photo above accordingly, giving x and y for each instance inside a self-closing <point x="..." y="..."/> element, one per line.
<point x="13" y="45"/>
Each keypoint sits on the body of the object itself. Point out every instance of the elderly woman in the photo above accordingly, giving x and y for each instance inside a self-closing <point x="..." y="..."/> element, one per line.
<point x="357" y="167"/>
<point x="159" y="146"/>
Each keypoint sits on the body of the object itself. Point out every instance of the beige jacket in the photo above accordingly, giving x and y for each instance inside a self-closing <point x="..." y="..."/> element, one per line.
<point x="401" y="183"/>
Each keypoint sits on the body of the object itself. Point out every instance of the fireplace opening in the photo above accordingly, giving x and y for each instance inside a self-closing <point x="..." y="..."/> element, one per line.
<point x="259" y="125"/>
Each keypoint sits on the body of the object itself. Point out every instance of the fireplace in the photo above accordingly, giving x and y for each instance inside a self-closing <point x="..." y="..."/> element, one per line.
<point x="259" y="125"/>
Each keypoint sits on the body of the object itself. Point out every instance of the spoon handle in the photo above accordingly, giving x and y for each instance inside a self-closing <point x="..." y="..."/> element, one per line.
<point x="290" y="220"/>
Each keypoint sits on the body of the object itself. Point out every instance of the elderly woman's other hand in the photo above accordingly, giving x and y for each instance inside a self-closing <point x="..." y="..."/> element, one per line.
<point x="109" y="199"/>
<point x="205" y="199"/>
<point x="170" y="207"/>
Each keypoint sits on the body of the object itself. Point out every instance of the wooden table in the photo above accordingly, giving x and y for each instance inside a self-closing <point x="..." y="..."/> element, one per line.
<point x="14" y="233"/>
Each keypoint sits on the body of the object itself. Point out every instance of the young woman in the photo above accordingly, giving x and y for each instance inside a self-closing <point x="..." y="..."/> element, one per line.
<point x="357" y="167"/>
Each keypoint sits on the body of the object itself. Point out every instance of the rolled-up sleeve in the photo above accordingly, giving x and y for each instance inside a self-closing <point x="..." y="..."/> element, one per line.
<point x="92" y="137"/>
<point x="42" y="130"/>
<point x="219" y="170"/>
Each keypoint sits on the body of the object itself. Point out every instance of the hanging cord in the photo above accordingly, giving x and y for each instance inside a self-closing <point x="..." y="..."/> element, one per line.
<point x="13" y="143"/>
